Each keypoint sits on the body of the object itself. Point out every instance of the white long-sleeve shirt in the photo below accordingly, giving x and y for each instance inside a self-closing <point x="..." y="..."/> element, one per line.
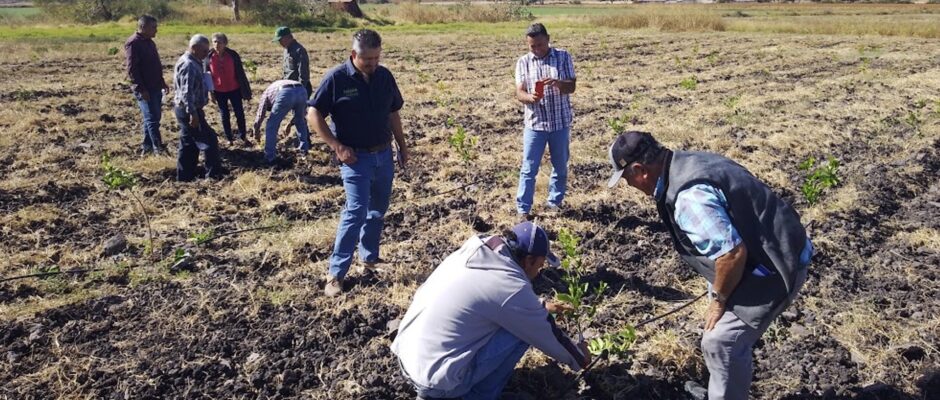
<point x="466" y="300"/>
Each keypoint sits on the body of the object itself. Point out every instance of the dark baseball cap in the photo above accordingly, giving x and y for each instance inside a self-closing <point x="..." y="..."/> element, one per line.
<point x="628" y="148"/>
<point x="532" y="240"/>
<point x="280" y="32"/>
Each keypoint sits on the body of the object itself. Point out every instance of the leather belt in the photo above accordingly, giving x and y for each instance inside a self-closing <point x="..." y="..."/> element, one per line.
<point x="373" y="149"/>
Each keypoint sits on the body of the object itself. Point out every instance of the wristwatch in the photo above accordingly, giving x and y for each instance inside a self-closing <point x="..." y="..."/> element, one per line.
<point x="719" y="297"/>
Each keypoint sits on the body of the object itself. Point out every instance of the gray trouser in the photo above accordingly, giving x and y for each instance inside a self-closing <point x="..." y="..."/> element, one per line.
<point x="727" y="350"/>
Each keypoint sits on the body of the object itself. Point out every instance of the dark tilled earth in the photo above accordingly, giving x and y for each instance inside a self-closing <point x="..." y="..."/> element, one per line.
<point x="243" y="320"/>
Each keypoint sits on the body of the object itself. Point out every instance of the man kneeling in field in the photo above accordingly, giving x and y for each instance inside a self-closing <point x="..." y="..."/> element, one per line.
<point x="477" y="314"/>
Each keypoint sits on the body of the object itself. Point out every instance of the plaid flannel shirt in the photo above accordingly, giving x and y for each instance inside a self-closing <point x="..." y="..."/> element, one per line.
<point x="190" y="81"/>
<point x="553" y="112"/>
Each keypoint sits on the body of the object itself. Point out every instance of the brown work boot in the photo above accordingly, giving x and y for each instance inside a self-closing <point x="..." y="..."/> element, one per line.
<point x="333" y="287"/>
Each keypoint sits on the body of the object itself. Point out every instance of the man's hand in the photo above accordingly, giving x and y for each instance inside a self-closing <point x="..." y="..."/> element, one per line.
<point x="583" y="346"/>
<point x="558" y="308"/>
<point x="345" y="154"/>
<point x="194" y="120"/>
<point x="404" y="156"/>
<point x="144" y="94"/>
<point x="715" y="310"/>
<point x="532" y="98"/>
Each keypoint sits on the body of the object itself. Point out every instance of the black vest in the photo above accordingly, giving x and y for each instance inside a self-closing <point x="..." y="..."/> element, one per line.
<point x="768" y="226"/>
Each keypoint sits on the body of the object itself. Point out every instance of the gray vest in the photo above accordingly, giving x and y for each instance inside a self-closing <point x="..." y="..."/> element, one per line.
<point x="769" y="227"/>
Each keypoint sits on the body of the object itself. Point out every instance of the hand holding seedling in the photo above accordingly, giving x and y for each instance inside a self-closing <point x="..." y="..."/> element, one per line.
<point x="558" y="308"/>
<point x="194" y="120"/>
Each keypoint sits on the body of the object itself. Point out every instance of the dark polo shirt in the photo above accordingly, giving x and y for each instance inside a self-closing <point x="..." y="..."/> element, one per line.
<point x="359" y="109"/>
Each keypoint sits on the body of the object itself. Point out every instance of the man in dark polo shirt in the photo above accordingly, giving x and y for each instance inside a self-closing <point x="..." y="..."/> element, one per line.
<point x="145" y="72"/>
<point x="363" y="100"/>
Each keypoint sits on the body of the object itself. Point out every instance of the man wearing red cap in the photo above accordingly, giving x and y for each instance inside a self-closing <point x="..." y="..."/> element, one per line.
<point x="476" y="315"/>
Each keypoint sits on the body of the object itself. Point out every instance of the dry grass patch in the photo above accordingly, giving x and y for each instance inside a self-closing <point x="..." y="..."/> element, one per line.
<point x="665" y="349"/>
<point x="878" y="342"/>
<point x="436" y="14"/>
<point x="667" y="18"/>
<point x="925" y="26"/>
<point x="928" y="238"/>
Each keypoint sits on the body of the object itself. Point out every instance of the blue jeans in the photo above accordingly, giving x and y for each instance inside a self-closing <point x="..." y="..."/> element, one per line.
<point x="368" y="185"/>
<point x="293" y="98"/>
<point x="151" y="111"/>
<point x="533" y="147"/>
<point x="192" y="140"/>
<point x="222" y="99"/>
<point x="490" y="370"/>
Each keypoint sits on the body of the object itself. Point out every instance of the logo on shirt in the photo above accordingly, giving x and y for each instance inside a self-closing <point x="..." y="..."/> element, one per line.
<point x="351" y="92"/>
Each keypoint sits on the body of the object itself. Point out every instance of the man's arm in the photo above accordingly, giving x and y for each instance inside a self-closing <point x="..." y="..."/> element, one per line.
<point x="702" y="214"/>
<point x="525" y="317"/>
<point x="303" y="64"/>
<point x="567" y="81"/>
<point x="522" y="92"/>
<point x="133" y="70"/>
<point x="394" y="120"/>
<point x="564" y="86"/>
<point x="317" y="121"/>
<point x="729" y="269"/>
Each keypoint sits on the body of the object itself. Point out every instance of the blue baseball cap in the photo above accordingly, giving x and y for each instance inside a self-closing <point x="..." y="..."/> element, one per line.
<point x="533" y="241"/>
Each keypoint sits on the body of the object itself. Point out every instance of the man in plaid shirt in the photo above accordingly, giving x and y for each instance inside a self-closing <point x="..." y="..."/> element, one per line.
<point x="544" y="80"/>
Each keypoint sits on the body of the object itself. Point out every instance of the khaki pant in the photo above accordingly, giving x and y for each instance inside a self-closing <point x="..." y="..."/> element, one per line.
<point x="728" y="350"/>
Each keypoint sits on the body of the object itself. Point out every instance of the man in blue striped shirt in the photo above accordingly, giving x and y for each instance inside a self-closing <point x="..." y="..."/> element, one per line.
<point x="545" y="79"/>
<point x="732" y="229"/>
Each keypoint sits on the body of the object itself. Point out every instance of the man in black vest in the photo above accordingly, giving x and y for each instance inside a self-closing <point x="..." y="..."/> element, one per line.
<point x="733" y="230"/>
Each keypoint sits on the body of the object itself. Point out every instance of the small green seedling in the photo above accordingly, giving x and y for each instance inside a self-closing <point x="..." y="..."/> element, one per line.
<point x="820" y="179"/>
<point x="463" y="143"/>
<point x="118" y="180"/>
<point x="112" y="51"/>
<point x="615" y="344"/>
<point x="712" y="58"/>
<point x="617" y="124"/>
<point x="202" y="237"/>
<point x="913" y="120"/>
<point x="689" y="83"/>
<point x="252" y="68"/>
<point x="732" y="102"/>
<point x="578" y="293"/>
